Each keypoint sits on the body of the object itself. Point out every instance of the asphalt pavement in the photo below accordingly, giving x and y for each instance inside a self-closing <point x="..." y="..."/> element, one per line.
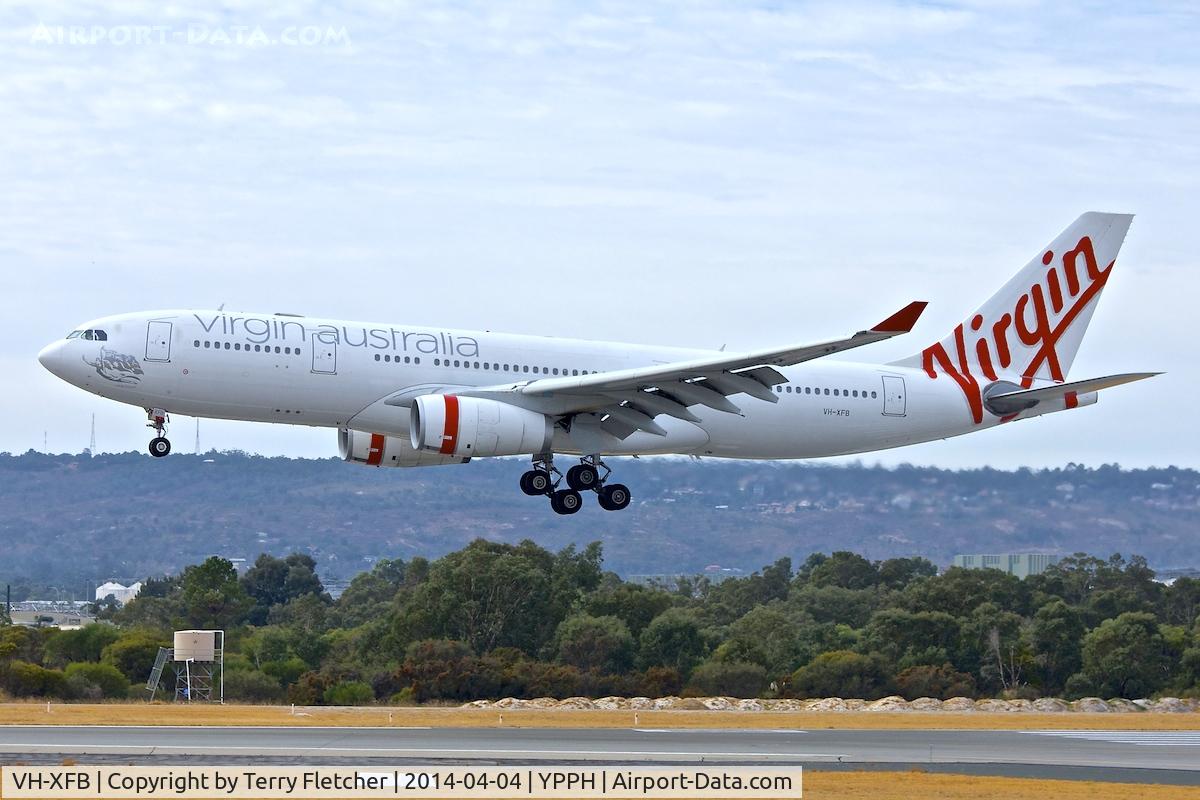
<point x="1128" y="756"/>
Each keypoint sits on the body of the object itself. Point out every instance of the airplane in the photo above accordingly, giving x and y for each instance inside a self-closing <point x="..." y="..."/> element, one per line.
<point x="413" y="396"/>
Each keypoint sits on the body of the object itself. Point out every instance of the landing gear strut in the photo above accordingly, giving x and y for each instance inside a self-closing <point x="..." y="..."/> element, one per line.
<point x="591" y="474"/>
<point x="544" y="479"/>
<point x="160" y="445"/>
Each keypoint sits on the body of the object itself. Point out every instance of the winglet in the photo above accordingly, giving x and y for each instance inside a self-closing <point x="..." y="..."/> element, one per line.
<point x="903" y="320"/>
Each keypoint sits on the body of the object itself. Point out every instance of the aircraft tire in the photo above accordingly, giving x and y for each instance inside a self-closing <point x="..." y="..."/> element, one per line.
<point x="566" y="501"/>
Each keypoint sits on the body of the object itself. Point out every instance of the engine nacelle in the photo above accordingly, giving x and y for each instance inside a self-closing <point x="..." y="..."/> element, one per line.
<point x="471" y="426"/>
<point x="377" y="450"/>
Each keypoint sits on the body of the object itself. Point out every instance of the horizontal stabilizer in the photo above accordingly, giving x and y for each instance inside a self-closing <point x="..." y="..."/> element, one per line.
<point x="1003" y="402"/>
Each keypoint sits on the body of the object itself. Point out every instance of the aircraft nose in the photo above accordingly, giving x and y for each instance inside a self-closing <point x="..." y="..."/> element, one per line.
<point x="51" y="357"/>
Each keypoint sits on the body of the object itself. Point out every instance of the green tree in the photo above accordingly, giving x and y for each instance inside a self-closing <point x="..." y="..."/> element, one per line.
<point x="595" y="643"/>
<point x="633" y="604"/>
<point x="845" y="569"/>
<point x="134" y="653"/>
<point x="672" y="639"/>
<point x="277" y="581"/>
<point x="212" y="597"/>
<point x="498" y="595"/>
<point x="1055" y="637"/>
<point x="842" y="673"/>
<point x="370" y="593"/>
<point x="770" y="636"/>
<point x="906" y="638"/>
<point x="1124" y="657"/>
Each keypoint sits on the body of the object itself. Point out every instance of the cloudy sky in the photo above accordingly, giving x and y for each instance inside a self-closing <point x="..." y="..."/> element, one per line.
<point x="700" y="174"/>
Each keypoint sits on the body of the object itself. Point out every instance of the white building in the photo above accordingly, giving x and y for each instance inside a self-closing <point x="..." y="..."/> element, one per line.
<point x="122" y="594"/>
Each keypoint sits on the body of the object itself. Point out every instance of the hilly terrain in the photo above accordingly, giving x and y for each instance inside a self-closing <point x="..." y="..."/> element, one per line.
<point x="68" y="520"/>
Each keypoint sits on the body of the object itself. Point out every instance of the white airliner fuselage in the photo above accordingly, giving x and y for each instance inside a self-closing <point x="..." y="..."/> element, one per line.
<point x="415" y="396"/>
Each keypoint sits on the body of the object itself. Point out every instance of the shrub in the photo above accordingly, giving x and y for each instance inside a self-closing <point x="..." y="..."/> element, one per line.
<point x="107" y="678"/>
<point x="735" y="679"/>
<point x="252" y="686"/>
<point x="842" y="673"/>
<point x="134" y="654"/>
<point x="660" y="682"/>
<point x="82" y="644"/>
<point x="287" y="671"/>
<point x="80" y="688"/>
<point x="941" y="682"/>
<point x="349" y="693"/>
<point x="23" y="679"/>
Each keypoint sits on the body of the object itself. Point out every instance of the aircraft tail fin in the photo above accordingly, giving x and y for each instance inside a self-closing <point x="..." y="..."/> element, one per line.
<point x="1030" y="330"/>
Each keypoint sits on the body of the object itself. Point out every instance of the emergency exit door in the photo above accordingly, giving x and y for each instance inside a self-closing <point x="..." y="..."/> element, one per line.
<point x="894" y="402"/>
<point x="158" y="340"/>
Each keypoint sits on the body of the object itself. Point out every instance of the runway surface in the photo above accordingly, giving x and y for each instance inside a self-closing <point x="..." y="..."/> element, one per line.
<point x="1138" y="756"/>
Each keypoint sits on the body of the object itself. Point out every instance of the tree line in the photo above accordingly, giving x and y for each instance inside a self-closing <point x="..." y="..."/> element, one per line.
<point x="496" y="620"/>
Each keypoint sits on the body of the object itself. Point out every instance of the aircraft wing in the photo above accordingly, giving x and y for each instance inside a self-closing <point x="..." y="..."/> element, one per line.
<point x="1014" y="402"/>
<point x="630" y="399"/>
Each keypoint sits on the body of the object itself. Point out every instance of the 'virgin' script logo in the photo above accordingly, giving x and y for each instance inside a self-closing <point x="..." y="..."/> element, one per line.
<point x="1040" y="318"/>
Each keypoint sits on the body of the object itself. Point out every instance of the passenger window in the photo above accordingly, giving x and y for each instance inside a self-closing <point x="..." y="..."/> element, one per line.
<point x="808" y="390"/>
<point x="196" y="343"/>
<point x="207" y="344"/>
<point x="788" y="390"/>
<point x="873" y="395"/>
<point x="827" y="392"/>
<point x="377" y="356"/>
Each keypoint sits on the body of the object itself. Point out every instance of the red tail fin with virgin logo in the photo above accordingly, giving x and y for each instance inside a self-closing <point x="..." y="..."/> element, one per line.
<point x="1030" y="330"/>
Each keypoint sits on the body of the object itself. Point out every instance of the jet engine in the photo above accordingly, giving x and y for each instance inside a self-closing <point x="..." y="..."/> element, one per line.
<point x="378" y="450"/>
<point x="471" y="426"/>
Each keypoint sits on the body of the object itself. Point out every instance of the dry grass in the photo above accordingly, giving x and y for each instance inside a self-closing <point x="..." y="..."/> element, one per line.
<point x="170" y="714"/>
<point x="908" y="785"/>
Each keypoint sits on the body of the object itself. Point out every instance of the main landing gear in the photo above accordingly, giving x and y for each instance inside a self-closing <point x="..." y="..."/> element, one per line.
<point x="545" y="479"/>
<point x="160" y="445"/>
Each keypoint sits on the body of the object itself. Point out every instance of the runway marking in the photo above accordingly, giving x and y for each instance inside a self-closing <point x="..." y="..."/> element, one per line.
<point x="717" y="730"/>
<point x="1144" y="738"/>
<point x="218" y="749"/>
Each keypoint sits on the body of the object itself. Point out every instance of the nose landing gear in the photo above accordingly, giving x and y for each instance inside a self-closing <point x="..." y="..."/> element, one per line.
<point x="544" y="479"/>
<point x="160" y="445"/>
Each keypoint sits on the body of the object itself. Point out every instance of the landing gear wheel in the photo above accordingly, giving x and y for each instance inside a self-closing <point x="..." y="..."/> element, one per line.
<point x="160" y="446"/>
<point x="566" y="501"/>
<point x="583" y="477"/>
<point x="536" y="482"/>
<point x="614" y="497"/>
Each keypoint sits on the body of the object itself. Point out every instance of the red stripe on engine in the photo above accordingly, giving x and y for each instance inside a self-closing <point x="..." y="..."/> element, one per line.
<point x="375" y="450"/>
<point x="1072" y="399"/>
<point x="450" y="433"/>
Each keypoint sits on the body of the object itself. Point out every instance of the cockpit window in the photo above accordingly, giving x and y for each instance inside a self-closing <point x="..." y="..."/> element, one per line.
<point x="96" y="335"/>
<point x="74" y="334"/>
